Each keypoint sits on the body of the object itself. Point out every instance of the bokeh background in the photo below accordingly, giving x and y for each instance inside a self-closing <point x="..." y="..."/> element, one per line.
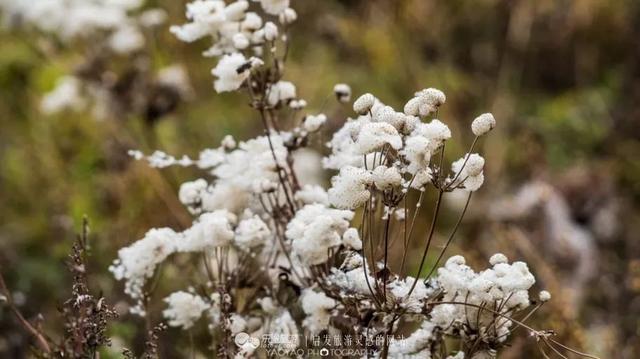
<point x="562" y="188"/>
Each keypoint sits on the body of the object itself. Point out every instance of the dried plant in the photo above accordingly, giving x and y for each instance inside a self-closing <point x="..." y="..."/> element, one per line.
<point x="292" y="268"/>
<point x="85" y="315"/>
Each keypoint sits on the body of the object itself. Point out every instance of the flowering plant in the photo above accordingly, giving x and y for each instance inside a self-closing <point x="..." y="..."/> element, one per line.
<point x="284" y="257"/>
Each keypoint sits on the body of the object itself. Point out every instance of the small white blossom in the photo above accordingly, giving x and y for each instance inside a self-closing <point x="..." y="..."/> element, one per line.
<point x="313" y="123"/>
<point x="483" y="124"/>
<point x="374" y="135"/>
<point x="351" y="239"/>
<point x="544" y="296"/>
<point x="349" y="188"/>
<point x="364" y="103"/>
<point x="342" y="92"/>
<point x="184" y="309"/>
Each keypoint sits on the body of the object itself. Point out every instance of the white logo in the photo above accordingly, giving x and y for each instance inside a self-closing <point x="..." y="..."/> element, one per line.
<point x="244" y="340"/>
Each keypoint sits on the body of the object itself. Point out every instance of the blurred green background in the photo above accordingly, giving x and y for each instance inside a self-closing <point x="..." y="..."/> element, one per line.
<point x="562" y="78"/>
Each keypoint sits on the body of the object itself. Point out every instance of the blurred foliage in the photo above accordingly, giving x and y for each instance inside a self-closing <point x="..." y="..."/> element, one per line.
<point x="561" y="77"/>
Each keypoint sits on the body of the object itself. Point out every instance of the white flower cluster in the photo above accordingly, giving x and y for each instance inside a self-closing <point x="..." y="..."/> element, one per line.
<point x="122" y="20"/>
<point x="483" y="301"/>
<point x="392" y="151"/>
<point x="268" y="225"/>
<point x="138" y="262"/>
<point x="235" y="33"/>
<point x="314" y="230"/>
<point x="184" y="309"/>
<point x="317" y="306"/>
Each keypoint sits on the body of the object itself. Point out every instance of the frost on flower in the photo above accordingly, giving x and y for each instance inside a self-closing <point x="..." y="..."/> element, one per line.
<point x="137" y="263"/>
<point x="364" y="104"/>
<point x="210" y="230"/>
<point x="274" y="7"/>
<point x="468" y="171"/>
<point x="251" y="232"/>
<point x="502" y="288"/>
<point x="349" y="188"/>
<point x="373" y="136"/>
<point x="184" y="309"/>
<point x="425" y="102"/>
<point x="232" y="71"/>
<point x="281" y="92"/>
<point x="317" y="306"/>
<point x="314" y="230"/>
<point x="313" y="123"/>
<point x="483" y="124"/>
<point x="342" y="92"/>
<point x="417" y="345"/>
<point x="351" y="239"/>
<point x="310" y="194"/>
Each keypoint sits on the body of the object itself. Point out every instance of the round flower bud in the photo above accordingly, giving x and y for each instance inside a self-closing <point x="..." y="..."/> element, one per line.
<point x="364" y="103"/>
<point x="342" y="92"/>
<point x="544" y="296"/>
<point x="483" y="124"/>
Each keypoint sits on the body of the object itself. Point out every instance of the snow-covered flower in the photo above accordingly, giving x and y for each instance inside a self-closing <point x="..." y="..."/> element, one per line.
<point x="364" y="103"/>
<point x="317" y="306"/>
<point x="386" y="177"/>
<point x="544" y="296"/>
<point x="313" y="123"/>
<point x="274" y="7"/>
<point x="374" y="135"/>
<point x="138" y="262"/>
<point x="281" y="91"/>
<point x="351" y="239"/>
<point x="425" y="102"/>
<point x="314" y="230"/>
<point x="349" y="189"/>
<point x="483" y="124"/>
<point x="184" y="309"/>
<point x="232" y="70"/>
<point x="251" y="232"/>
<point x="342" y="92"/>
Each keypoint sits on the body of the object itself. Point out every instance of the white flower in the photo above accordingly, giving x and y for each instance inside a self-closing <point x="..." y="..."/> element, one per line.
<point x="544" y="296"/>
<point x="483" y="124"/>
<point x="288" y="16"/>
<point x="270" y="31"/>
<point x="231" y="71"/>
<point x="386" y="177"/>
<point x="425" y="102"/>
<point x="274" y="7"/>
<point x="317" y="307"/>
<point x="184" y="309"/>
<point x="211" y="230"/>
<point x="342" y="92"/>
<point x="349" y="188"/>
<point x="504" y="283"/>
<point x="314" y="230"/>
<point x="240" y="41"/>
<point x="138" y="262"/>
<point x="281" y="91"/>
<point x="364" y="103"/>
<point x="310" y="194"/>
<point x="498" y="258"/>
<point x="468" y="171"/>
<point x="351" y="239"/>
<point x="374" y="135"/>
<point x="191" y="192"/>
<point x="251" y="232"/>
<point x="313" y="123"/>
